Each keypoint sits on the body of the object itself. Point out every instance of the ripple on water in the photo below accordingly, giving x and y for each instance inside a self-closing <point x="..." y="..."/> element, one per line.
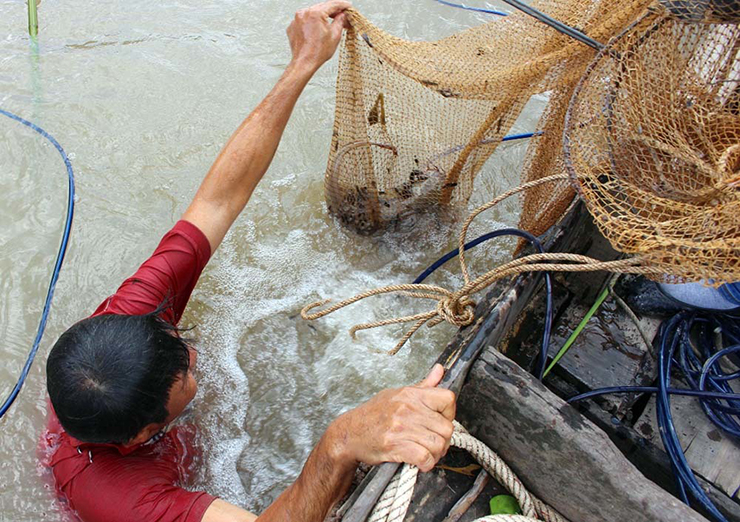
<point x="144" y="94"/>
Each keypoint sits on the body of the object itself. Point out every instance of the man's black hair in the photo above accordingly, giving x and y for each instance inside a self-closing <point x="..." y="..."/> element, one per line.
<point x="110" y="376"/>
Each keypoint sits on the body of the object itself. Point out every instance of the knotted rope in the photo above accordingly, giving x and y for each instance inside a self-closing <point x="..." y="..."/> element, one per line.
<point x="395" y="500"/>
<point x="457" y="308"/>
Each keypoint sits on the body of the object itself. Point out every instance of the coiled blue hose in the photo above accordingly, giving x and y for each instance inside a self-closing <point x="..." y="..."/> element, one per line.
<point x="57" y="265"/>
<point x="690" y="342"/>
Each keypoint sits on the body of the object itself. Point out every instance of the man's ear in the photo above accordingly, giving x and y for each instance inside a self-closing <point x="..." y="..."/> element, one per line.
<point x="146" y="433"/>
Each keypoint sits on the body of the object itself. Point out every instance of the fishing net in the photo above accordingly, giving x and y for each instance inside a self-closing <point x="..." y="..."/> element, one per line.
<point x="653" y="140"/>
<point x="416" y="121"/>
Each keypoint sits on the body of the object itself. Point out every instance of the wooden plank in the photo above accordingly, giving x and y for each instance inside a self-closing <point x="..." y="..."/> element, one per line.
<point x="437" y="492"/>
<point x="611" y="350"/>
<point x="709" y="451"/>
<point x="651" y="460"/>
<point x="560" y="456"/>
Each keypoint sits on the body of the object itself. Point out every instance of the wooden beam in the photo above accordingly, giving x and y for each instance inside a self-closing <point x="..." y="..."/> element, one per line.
<point x="560" y="456"/>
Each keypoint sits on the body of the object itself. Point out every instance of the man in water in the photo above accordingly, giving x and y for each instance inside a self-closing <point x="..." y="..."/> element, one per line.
<point x="119" y="377"/>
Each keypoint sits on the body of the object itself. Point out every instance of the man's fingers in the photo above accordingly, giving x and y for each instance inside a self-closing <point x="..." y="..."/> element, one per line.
<point x="440" y="400"/>
<point x="424" y="449"/>
<point x="337" y="26"/>
<point x="431" y="431"/>
<point x="440" y="425"/>
<point x="436" y="445"/>
<point x="418" y="455"/>
<point x="434" y="377"/>
<point x="437" y="399"/>
<point x="332" y="8"/>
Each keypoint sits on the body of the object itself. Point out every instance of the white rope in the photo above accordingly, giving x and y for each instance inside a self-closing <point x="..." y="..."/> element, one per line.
<point x="395" y="500"/>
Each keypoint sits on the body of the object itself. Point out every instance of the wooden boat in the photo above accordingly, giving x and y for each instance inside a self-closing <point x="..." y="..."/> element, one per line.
<point x="601" y="461"/>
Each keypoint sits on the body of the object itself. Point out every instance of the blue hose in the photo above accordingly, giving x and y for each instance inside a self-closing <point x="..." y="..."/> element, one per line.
<point x="57" y="265"/>
<point x="654" y="389"/>
<point x="476" y="9"/>
<point x="536" y="14"/>
<point x="688" y="342"/>
<point x="512" y="137"/>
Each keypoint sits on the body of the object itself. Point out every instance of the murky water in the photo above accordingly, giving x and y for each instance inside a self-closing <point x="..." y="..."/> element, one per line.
<point x="143" y="95"/>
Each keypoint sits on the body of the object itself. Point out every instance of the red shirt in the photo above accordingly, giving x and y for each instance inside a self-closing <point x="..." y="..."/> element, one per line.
<point x="111" y="483"/>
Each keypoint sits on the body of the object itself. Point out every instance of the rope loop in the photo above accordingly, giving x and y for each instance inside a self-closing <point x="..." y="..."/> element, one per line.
<point x="394" y="503"/>
<point x="457" y="310"/>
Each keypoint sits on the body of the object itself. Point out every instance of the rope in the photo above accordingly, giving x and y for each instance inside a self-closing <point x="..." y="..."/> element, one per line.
<point x="395" y="500"/>
<point x="547" y="331"/>
<point x="57" y="265"/>
<point x="457" y="308"/>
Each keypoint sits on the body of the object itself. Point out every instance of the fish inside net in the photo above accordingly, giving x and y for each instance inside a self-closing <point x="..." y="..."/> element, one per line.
<point x="416" y="121"/>
<point x="652" y="135"/>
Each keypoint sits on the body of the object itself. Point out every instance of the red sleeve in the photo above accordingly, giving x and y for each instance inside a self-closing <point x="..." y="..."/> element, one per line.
<point x="168" y="276"/>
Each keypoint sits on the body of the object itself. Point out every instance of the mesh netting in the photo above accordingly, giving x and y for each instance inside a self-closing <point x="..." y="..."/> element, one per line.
<point x="653" y="140"/>
<point x="647" y="132"/>
<point x="415" y="121"/>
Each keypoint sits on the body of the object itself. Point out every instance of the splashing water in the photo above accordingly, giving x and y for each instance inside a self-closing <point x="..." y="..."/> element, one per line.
<point x="144" y="107"/>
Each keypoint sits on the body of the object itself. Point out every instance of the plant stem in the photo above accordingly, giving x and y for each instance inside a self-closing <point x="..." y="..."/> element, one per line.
<point x="599" y="300"/>
<point x="33" y="19"/>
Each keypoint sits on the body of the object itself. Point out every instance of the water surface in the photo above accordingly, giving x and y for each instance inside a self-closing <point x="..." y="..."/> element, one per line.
<point x="143" y="95"/>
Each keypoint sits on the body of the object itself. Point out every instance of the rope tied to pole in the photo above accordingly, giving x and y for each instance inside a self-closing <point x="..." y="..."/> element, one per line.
<point x="458" y="308"/>
<point x="396" y="499"/>
<point x="459" y="311"/>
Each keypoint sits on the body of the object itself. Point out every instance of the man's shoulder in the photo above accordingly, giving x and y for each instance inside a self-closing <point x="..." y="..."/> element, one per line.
<point x="105" y="481"/>
<point x="166" y="279"/>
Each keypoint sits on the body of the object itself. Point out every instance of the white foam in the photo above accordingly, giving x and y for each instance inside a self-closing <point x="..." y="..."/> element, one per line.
<point x="259" y="429"/>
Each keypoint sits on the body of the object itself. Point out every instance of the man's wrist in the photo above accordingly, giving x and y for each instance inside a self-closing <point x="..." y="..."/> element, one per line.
<point x="338" y="444"/>
<point x="302" y="68"/>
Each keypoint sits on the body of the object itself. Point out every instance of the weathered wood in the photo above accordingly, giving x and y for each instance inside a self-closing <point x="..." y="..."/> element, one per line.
<point x="352" y="498"/>
<point x="366" y="500"/>
<point x="614" y="328"/>
<point x="610" y="351"/>
<point x="437" y="492"/>
<point x="496" y="315"/>
<point x="652" y="461"/>
<point x="709" y="451"/>
<point x="562" y="457"/>
<point x="463" y="505"/>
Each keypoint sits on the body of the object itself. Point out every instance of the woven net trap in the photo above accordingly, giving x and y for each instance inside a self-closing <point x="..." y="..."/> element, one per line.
<point x="652" y="140"/>
<point x="652" y="143"/>
<point x="645" y="129"/>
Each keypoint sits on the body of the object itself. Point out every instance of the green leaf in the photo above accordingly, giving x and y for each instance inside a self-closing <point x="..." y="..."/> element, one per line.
<point x="504" y="505"/>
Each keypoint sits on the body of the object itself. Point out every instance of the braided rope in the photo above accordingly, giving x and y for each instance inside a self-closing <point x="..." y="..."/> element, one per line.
<point x="396" y="499"/>
<point x="495" y="201"/>
<point x="458" y="308"/>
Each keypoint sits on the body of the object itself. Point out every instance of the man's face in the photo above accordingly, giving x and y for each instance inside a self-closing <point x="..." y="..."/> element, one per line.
<point x="183" y="390"/>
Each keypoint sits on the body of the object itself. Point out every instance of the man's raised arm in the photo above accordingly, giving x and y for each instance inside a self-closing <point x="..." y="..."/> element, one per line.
<point x="248" y="153"/>
<point x="412" y="424"/>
